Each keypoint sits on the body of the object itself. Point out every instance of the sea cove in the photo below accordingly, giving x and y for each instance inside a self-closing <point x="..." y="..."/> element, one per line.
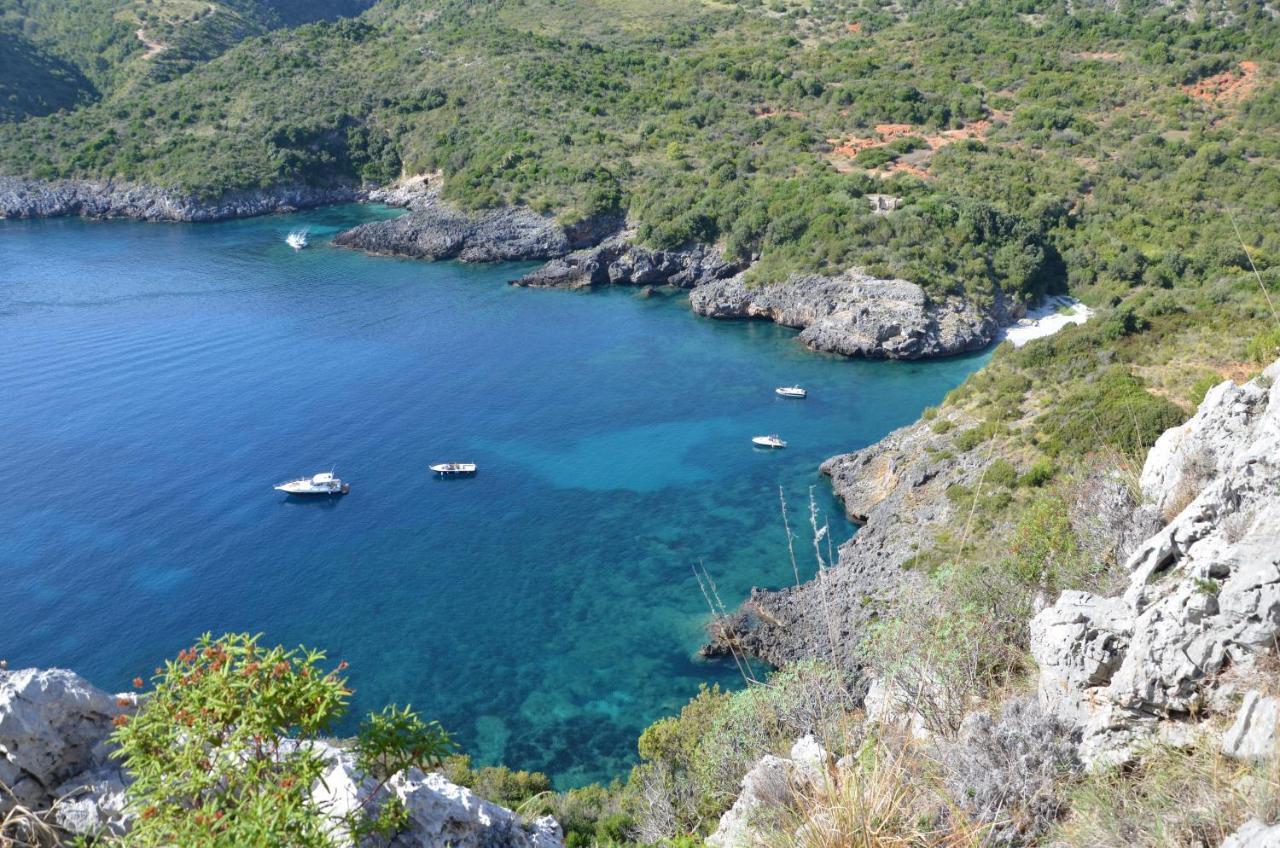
<point x="159" y="379"/>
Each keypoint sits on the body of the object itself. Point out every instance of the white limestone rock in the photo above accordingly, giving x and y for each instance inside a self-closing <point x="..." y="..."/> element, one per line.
<point x="94" y="804"/>
<point x="1254" y="834"/>
<point x="52" y="727"/>
<point x="1204" y="591"/>
<point x="1253" y="735"/>
<point x="769" y="789"/>
<point x="440" y="814"/>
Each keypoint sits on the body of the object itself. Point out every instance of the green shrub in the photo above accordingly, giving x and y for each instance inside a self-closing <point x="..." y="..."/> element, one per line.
<point x="206" y="755"/>
<point x="1040" y="473"/>
<point x="1114" y="409"/>
<point x="942" y="425"/>
<point x="1264" y="348"/>
<point x="1001" y="473"/>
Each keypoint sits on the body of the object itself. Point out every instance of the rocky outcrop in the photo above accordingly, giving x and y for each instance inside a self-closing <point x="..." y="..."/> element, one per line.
<point x="438" y="813"/>
<point x="53" y="727"/>
<point x="854" y="314"/>
<point x="891" y="489"/>
<point x="27" y="198"/>
<point x="771" y="788"/>
<point x="618" y="262"/>
<point x="434" y="228"/>
<point x="1203" y="593"/>
<point x="54" y="747"/>
<point x="1252" y="736"/>
<point x="1254" y="834"/>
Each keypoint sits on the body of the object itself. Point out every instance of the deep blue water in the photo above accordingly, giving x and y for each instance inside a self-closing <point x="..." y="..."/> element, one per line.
<point x="157" y="379"/>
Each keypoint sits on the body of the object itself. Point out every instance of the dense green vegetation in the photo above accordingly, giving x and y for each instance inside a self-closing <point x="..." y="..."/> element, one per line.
<point x="59" y="55"/>
<point x="1047" y="150"/>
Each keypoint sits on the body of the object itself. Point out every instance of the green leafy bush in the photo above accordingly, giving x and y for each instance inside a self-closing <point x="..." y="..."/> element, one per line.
<point x="221" y="749"/>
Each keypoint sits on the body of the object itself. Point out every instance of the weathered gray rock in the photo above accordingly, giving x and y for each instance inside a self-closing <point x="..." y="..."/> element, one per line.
<point x="434" y="228"/>
<point x="858" y="315"/>
<point x="1253" y="734"/>
<point x="28" y="198"/>
<point x="52" y="727"/>
<point x="1185" y="458"/>
<point x="440" y="814"/>
<point x="769" y="791"/>
<point x="94" y="804"/>
<point x="618" y="262"/>
<point x="1254" y="834"/>
<point x="1204" y="591"/>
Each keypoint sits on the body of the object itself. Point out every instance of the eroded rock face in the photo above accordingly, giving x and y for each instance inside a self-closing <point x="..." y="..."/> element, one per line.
<point x="53" y="726"/>
<point x="618" y="262"/>
<point x="1204" y="591"/>
<point x="433" y="228"/>
<point x="858" y="315"/>
<point x="25" y="198"/>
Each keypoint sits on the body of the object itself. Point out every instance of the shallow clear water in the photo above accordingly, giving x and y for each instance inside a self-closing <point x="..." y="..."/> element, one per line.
<point x="157" y="380"/>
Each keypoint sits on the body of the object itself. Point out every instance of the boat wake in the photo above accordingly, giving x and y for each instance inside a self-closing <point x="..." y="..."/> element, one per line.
<point x="297" y="239"/>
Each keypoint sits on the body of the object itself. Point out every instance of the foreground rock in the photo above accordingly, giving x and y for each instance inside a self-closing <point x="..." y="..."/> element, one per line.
<point x="54" y="753"/>
<point x="618" y="262"/>
<point x="26" y="198"/>
<point x="53" y="725"/>
<point x="434" y="228"/>
<point x="770" y="792"/>
<point x="858" y="315"/>
<point x="440" y="814"/>
<point x="1204" y="591"/>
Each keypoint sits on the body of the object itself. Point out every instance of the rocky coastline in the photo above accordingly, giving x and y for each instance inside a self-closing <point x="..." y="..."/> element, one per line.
<point x="433" y="228"/>
<point x="855" y="314"/>
<point x="30" y="198"/>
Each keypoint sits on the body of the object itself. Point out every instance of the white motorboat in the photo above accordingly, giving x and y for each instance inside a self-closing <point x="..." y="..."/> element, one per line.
<point x="790" y="392"/>
<point x="320" y="484"/>
<point x="297" y="239"/>
<point x="771" y="441"/>
<point x="453" y="469"/>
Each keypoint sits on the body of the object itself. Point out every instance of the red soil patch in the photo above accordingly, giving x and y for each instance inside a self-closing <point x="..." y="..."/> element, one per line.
<point x="854" y="27"/>
<point x="886" y="133"/>
<point x="1226" y="87"/>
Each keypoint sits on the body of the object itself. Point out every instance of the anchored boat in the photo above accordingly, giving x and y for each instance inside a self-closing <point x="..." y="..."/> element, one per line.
<point x="454" y="469"/>
<point x="771" y="441"/>
<point x="319" y="484"/>
<point x="790" y="392"/>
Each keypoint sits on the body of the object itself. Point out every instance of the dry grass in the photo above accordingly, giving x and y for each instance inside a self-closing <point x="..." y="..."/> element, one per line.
<point x="1172" y="797"/>
<point x="23" y="827"/>
<point x="889" y="794"/>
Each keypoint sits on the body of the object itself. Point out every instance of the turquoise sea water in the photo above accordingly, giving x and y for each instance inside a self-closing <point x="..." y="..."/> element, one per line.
<point x="157" y="379"/>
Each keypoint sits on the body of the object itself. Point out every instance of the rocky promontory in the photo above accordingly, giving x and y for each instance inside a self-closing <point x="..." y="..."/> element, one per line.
<point x="29" y="198"/>
<point x="434" y="228"/>
<point x="890" y="489"/>
<point x="855" y="314"/>
<point x="617" y="261"/>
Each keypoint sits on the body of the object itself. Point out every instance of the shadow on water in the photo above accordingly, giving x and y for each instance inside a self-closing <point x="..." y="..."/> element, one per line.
<point x="314" y="501"/>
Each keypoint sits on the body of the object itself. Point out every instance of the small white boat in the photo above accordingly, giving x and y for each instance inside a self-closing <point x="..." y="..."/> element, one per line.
<point x="790" y="392"/>
<point x="771" y="441"/>
<point x="297" y="239"/>
<point x="320" y="484"/>
<point x="453" y="469"/>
